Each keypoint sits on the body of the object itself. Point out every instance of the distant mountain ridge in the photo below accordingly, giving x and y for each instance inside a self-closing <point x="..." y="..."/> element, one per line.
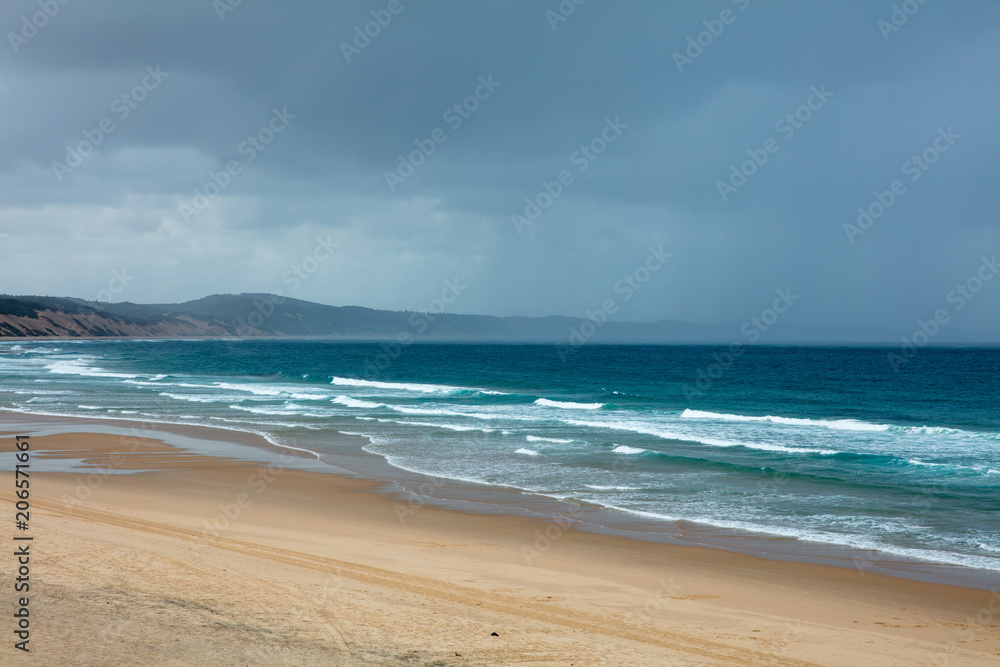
<point x="264" y="315"/>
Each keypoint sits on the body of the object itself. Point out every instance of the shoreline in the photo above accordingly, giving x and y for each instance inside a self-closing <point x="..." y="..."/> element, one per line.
<point x="722" y="342"/>
<point x="322" y="567"/>
<point x="419" y="489"/>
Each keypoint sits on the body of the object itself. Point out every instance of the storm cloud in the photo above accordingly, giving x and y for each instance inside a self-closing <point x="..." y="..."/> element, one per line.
<point x="364" y="153"/>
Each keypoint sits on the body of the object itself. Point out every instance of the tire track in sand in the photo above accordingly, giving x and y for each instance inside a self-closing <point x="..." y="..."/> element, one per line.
<point x="440" y="590"/>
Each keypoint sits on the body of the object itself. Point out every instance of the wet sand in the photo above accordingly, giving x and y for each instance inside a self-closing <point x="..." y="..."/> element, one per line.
<point x="178" y="558"/>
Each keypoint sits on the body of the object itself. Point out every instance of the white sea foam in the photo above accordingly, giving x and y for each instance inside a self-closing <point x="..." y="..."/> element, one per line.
<point x="453" y="413"/>
<point x="529" y="452"/>
<point x="287" y="411"/>
<point x="253" y="389"/>
<point x="837" y="424"/>
<point x="202" y="398"/>
<point x="929" y="430"/>
<point x="301" y="396"/>
<point x="402" y="386"/>
<point x="568" y="405"/>
<point x="918" y="462"/>
<point x="270" y="390"/>
<point x="355" y="402"/>
<point x="424" y="411"/>
<point x="265" y="422"/>
<point x="853" y="541"/>
<point x="449" y="427"/>
<point x="979" y="469"/>
<point x="625" y="449"/>
<point x="78" y="367"/>
<point x="646" y="429"/>
<point x="40" y="392"/>
<point x="538" y="438"/>
<point x="598" y="487"/>
<point x="157" y="419"/>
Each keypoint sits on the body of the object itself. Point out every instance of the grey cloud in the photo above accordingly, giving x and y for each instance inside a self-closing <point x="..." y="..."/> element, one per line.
<point x="656" y="184"/>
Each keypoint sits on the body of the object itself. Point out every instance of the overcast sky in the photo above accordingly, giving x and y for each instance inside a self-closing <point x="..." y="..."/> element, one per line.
<point x="181" y="87"/>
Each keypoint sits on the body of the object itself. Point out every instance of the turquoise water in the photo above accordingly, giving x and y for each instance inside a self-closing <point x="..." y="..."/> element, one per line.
<point x="827" y="445"/>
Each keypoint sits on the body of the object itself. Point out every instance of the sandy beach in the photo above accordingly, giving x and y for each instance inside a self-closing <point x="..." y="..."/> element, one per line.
<point x="194" y="560"/>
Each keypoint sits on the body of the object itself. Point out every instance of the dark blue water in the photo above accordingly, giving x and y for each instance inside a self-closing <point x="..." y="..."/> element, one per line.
<point x="828" y="445"/>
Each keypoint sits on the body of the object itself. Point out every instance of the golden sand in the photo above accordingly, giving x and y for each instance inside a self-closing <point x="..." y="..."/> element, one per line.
<point x="209" y="561"/>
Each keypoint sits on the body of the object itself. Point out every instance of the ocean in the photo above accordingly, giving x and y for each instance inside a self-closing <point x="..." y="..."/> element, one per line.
<point x="831" y="447"/>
